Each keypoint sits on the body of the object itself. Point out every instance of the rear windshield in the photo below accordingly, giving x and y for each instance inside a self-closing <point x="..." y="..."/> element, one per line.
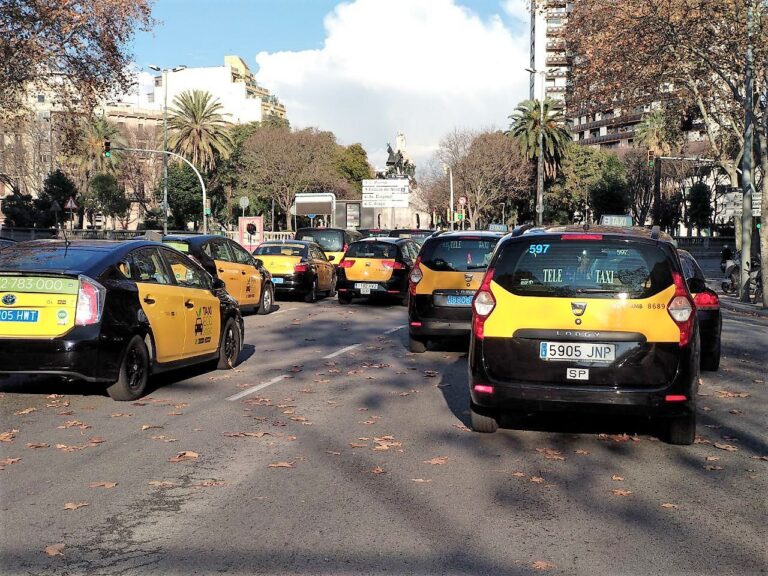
<point x="42" y="258"/>
<point x="458" y="254"/>
<point x="375" y="233"/>
<point x="614" y="268"/>
<point x="281" y="250"/>
<point x="372" y="250"/>
<point x="329" y="240"/>
<point x="180" y="246"/>
<point x="416" y="235"/>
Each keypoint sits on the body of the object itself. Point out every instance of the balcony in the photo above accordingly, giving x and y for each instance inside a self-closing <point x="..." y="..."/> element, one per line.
<point x="556" y="13"/>
<point x="612" y="121"/>
<point x="555" y="31"/>
<point x="556" y="45"/>
<point x="552" y="74"/>
<point x="558" y="89"/>
<point x="556" y="61"/>
<point x="556" y="3"/>
<point x="607" y="138"/>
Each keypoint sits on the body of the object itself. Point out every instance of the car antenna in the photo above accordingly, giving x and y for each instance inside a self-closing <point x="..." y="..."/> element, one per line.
<point x="66" y="240"/>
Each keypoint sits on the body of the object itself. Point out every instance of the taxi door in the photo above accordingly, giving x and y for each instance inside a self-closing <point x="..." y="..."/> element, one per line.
<point x="323" y="267"/>
<point x="250" y="277"/>
<point x="202" y="309"/>
<point x="160" y="300"/>
<point x="226" y="268"/>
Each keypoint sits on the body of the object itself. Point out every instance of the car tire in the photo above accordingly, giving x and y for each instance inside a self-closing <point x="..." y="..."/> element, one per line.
<point x="134" y="372"/>
<point x="229" y="346"/>
<point x="332" y="291"/>
<point x="485" y="423"/>
<point x="405" y="300"/>
<point x="311" y="296"/>
<point x="710" y="359"/>
<point x="417" y="345"/>
<point x="344" y="299"/>
<point x="267" y="300"/>
<point x="681" y="430"/>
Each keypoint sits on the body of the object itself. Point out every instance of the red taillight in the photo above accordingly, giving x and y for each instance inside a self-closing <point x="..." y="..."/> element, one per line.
<point x="346" y="247"/>
<point x="416" y="324"/>
<point x="482" y="305"/>
<point x="393" y="264"/>
<point x="301" y="268"/>
<point x="707" y="300"/>
<point x="681" y="309"/>
<point x="415" y="276"/>
<point x="346" y="263"/>
<point x="581" y="237"/>
<point x="90" y="302"/>
<point x="484" y="388"/>
<point x="675" y="398"/>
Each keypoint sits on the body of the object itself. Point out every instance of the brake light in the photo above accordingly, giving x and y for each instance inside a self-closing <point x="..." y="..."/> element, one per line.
<point x="681" y="309"/>
<point x="581" y="237"/>
<point x="415" y="276"/>
<point x="300" y="268"/>
<point x="706" y="301"/>
<point x="675" y="398"/>
<point x="346" y="263"/>
<point x="346" y="247"/>
<point x="393" y="264"/>
<point x="90" y="302"/>
<point x="482" y="305"/>
<point x="484" y="388"/>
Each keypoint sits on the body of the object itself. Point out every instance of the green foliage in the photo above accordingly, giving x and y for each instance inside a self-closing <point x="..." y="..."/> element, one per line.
<point x="700" y="205"/>
<point x="58" y="187"/>
<point x="198" y="130"/>
<point x="185" y="199"/>
<point x="353" y="165"/>
<point x="108" y="196"/>
<point x="670" y="211"/>
<point x="153" y="220"/>
<point x="657" y="134"/>
<point x="609" y="195"/>
<point x="526" y="122"/>
<point x="19" y="210"/>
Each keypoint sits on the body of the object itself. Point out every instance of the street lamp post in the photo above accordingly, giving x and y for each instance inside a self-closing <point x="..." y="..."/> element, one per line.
<point x="164" y="72"/>
<point x="540" y="163"/>
<point x="447" y="168"/>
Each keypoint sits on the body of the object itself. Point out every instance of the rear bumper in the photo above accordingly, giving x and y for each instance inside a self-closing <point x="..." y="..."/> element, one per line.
<point x="427" y="320"/>
<point x="395" y="286"/>
<point x="293" y="283"/>
<point x="437" y="327"/>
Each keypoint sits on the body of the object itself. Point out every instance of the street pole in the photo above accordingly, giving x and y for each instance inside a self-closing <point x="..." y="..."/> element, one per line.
<point x="747" y="175"/>
<point x="450" y="180"/>
<point x="540" y="165"/>
<point x="165" y="156"/>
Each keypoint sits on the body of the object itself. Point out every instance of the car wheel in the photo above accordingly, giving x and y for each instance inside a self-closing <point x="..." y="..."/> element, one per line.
<point x="229" y="347"/>
<point x="681" y="430"/>
<point x="267" y="299"/>
<point x="332" y="291"/>
<point x="134" y="372"/>
<point x="417" y="345"/>
<point x="484" y="423"/>
<point x="710" y="359"/>
<point x="344" y="298"/>
<point x="311" y="296"/>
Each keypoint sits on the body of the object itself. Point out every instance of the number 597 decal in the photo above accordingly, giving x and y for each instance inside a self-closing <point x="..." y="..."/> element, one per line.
<point x="537" y="249"/>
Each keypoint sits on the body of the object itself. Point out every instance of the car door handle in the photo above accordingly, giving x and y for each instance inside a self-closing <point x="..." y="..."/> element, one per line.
<point x="221" y="269"/>
<point x="189" y="304"/>
<point x="149" y="300"/>
<point x="241" y="272"/>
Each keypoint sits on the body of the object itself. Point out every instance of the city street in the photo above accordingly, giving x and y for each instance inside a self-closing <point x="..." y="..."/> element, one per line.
<point x="331" y="449"/>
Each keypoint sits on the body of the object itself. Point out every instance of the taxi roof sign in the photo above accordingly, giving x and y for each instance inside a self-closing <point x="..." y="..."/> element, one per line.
<point x="622" y="220"/>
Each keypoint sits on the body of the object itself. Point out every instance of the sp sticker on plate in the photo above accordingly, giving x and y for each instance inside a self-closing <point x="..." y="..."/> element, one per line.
<point x="577" y="374"/>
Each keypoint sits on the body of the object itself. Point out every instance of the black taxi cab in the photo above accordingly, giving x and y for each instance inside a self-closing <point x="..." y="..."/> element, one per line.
<point x="376" y="267"/>
<point x="112" y="313"/>
<point x="568" y="319"/>
<point x="443" y="281"/>
<point x="298" y="267"/>
<point x="246" y="279"/>
<point x="333" y="241"/>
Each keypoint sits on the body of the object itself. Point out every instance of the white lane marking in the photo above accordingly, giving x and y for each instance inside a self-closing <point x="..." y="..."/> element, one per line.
<point x="395" y="329"/>
<point x="338" y="352"/>
<point x="253" y="389"/>
<point x="282" y="310"/>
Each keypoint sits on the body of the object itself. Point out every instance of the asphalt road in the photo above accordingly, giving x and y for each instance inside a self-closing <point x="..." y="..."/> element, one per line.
<point x="332" y="450"/>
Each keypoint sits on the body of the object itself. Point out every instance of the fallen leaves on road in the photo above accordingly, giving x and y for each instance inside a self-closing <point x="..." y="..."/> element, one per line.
<point x="246" y="434"/>
<point x="421" y="480"/>
<point x="736" y="412"/>
<point x="431" y="373"/>
<point x="384" y="443"/>
<point x="208" y="484"/>
<point x="732" y="394"/>
<point x="94" y="440"/>
<point x="8" y="462"/>
<point x="333" y="453"/>
<point x="102" y="484"/>
<point x="727" y="447"/>
<point x="542" y="565"/>
<point x="164" y="438"/>
<point x="37" y="445"/>
<point x="74" y="424"/>
<point x="357" y="445"/>
<point x="759" y="458"/>
<point x="712" y="458"/>
<point x="518" y="474"/>
<point x="437" y="461"/>
<point x="617" y="492"/>
<point x="551" y="454"/>
<point x="74" y="505"/>
<point x="537" y="479"/>
<point x="149" y="426"/>
<point x="713" y="468"/>
<point x="581" y="452"/>
<point x="8" y="436"/>
<point x="183" y="456"/>
<point x="617" y="478"/>
<point x="461" y="427"/>
<point x="670" y="506"/>
<point x="25" y="411"/>
<point x="378" y="470"/>
<point x="281" y="465"/>
<point x="55" y="550"/>
<point x="161" y="483"/>
<point x="120" y="415"/>
<point x="174" y="413"/>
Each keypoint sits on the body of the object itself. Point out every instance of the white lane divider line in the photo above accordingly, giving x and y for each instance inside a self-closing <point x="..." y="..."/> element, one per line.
<point x="253" y="389"/>
<point x="339" y="352"/>
<point x="395" y="329"/>
<point x="283" y="310"/>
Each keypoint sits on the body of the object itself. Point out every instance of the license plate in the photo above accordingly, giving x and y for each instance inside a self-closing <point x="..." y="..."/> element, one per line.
<point x="579" y="351"/>
<point x="577" y="374"/>
<point x="365" y="288"/>
<point x="277" y="280"/>
<point x="19" y="315"/>
<point x="453" y="300"/>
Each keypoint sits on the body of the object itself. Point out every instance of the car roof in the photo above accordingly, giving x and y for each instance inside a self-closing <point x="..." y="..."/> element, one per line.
<point x="191" y="238"/>
<point x="322" y="229"/>
<point x="387" y="239"/>
<point x="278" y="242"/>
<point x="463" y="233"/>
<point x="421" y="230"/>
<point x="631" y="231"/>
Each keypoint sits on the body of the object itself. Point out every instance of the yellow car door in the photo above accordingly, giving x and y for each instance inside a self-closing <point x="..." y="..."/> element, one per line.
<point x="202" y="308"/>
<point x="249" y="274"/>
<point x="160" y="301"/>
<point x="227" y="269"/>
<point x="319" y="263"/>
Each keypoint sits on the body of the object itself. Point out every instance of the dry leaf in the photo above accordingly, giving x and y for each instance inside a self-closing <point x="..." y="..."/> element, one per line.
<point x="759" y="458"/>
<point x="731" y="394"/>
<point x="617" y="478"/>
<point x="461" y="427"/>
<point x="281" y="465"/>
<point x="74" y="424"/>
<point x="120" y="415"/>
<point x="437" y="461"/>
<point x="96" y="440"/>
<point x="25" y="411"/>
<point x="161" y="483"/>
<point x="55" y="549"/>
<point x="149" y="426"/>
<point x="333" y="453"/>
<point x="37" y="445"/>
<point x="736" y="412"/>
<point x="421" y="480"/>
<point x="357" y="445"/>
<point x="713" y="468"/>
<point x="616" y="492"/>
<point x="9" y="461"/>
<point x="208" y="483"/>
<point x="102" y="484"/>
<point x="186" y="455"/>
<point x="669" y="506"/>
<point x="712" y="458"/>
<point x="246" y="434"/>
<point x="727" y="447"/>
<point x="582" y="452"/>
<point x="537" y="479"/>
<point x="431" y="373"/>
<point x="8" y="436"/>
<point x="74" y="505"/>
<point x="174" y="413"/>
<point x="164" y="438"/>
<point x="378" y="470"/>
<point x="518" y="474"/>
<point x="542" y="565"/>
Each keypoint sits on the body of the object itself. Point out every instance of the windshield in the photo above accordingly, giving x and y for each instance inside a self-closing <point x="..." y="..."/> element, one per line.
<point x="281" y="250"/>
<point x="551" y="267"/>
<point x="458" y="254"/>
<point x="48" y="258"/>
<point x="329" y="240"/>
<point x="372" y="250"/>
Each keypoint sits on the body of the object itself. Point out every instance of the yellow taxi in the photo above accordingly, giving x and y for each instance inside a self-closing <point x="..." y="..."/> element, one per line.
<point x="573" y="320"/>
<point x="443" y="281"/>
<point x="245" y="278"/>
<point x="111" y="313"/>
<point x="298" y="267"/>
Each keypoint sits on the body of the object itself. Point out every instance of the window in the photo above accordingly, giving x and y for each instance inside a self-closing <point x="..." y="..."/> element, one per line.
<point x="217" y="249"/>
<point x="40" y="98"/>
<point x="186" y="272"/>
<point x="328" y="240"/>
<point x="459" y="254"/>
<point x="241" y="255"/>
<point x="371" y="250"/>
<point x="145" y="265"/>
<point x="281" y="250"/>
<point x="318" y="254"/>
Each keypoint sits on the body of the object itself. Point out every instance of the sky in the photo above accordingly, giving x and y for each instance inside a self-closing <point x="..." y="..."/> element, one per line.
<point x="363" y="69"/>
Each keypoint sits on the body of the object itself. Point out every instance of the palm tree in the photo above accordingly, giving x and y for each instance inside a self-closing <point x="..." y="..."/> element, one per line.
<point x="654" y="134"/>
<point x="198" y="130"/>
<point x="89" y="153"/>
<point x="525" y="129"/>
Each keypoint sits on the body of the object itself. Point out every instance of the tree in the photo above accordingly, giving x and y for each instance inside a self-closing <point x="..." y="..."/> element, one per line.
<point x="59" y="188"/>
<point x="639" y="177"/>
<point x="525" y="130"/>
<point x="654" y="133"/>
<point x="108" y="197"/>
<point x="353" y="166"/>
<point x="609" y="194"/>
<point x="185" y="198"/>
<point x="700" y="206"/>
<point x="197" y="129"/>
<point x="86" y="42"/>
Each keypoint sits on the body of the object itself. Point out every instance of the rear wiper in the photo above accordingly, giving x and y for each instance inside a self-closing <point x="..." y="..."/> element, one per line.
<point x="595" y="291"/>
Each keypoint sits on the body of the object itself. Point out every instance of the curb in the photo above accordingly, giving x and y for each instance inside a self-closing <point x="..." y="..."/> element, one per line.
<point x="741" y="308"/>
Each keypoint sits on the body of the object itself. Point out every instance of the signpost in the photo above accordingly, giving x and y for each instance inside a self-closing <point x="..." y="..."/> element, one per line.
<point x="244" y="203"/>
<point x="462" y="200"/>
<point x="388" y="193"/>
<point x="71" y="205"/>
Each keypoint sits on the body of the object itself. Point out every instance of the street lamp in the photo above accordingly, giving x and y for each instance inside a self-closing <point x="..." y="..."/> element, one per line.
<point x="164" y="72"/>
<point x="447" y="170"/>
<point x="540" y="164"/>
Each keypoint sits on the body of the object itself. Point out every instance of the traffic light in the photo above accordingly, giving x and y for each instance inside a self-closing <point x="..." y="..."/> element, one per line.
<point x="107" y="149"/>
<point x="651" y="157"/>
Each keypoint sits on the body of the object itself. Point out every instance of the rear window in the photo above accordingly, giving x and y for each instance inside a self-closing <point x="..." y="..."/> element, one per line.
<point x="371" y="250"/>
<point x="614" y="268"/>
<point x="458" y="254"/>
<point x="329" y="240"/>
<point x="42" y="258"/>
<point x="180" y="246"/>
<point x="375" y="233"/>
<point x="416" y="235"/>
<point x="281" y="250"/>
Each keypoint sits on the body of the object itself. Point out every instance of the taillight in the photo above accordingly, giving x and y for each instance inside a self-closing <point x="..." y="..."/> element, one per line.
<point x="346" y="247"/>
<point x="301" y="267"/>
<point x="393" y="264"/>
<point x="90" y="302"/>
<point x="346" y="263"/>
<point x="682" y="309"/>
<point x="707" y="300"/>
<point x="415" y="276"/>
<point x="581" y="237"/>
<point x="482" y="305"/>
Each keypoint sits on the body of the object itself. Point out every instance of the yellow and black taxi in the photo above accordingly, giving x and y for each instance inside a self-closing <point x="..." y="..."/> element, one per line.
<point x="443" y="280"/>
<point x="707" y="311"/>
<point x="246" y="279"/>
<point x="376" y="267"/>
<point x="333" y="241"/>
<point x="374" y="232"/>
<point x="568" y="319"/>
<point x="298" y="267"/>
<point x="112" y="313"/>
<point x="418" y="235"/>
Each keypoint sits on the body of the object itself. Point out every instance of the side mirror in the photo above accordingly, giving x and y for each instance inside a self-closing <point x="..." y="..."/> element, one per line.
<point x="218" y="284"/>
<point x="258" y="262"/>
<point x="331" y="258"/>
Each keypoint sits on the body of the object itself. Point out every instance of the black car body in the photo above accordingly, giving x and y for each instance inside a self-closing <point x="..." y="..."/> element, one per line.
<point x="707" y="311"/>
<point x="5" y="242"/>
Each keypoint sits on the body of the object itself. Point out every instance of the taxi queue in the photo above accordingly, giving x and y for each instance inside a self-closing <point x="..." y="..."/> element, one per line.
<point x="558" y="319"/>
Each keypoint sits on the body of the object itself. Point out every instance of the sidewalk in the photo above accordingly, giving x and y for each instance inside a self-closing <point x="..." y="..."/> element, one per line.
<point x="732" y="303"/>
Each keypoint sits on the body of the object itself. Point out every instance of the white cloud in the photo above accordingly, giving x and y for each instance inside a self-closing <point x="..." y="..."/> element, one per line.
<point x="422" y="67"/>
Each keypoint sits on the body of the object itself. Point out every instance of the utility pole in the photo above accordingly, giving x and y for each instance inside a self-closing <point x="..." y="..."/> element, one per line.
<point x="747" y="168"/>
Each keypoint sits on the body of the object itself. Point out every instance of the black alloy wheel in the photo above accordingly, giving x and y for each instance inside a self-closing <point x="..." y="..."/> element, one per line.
<point x="134" y="372"/>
